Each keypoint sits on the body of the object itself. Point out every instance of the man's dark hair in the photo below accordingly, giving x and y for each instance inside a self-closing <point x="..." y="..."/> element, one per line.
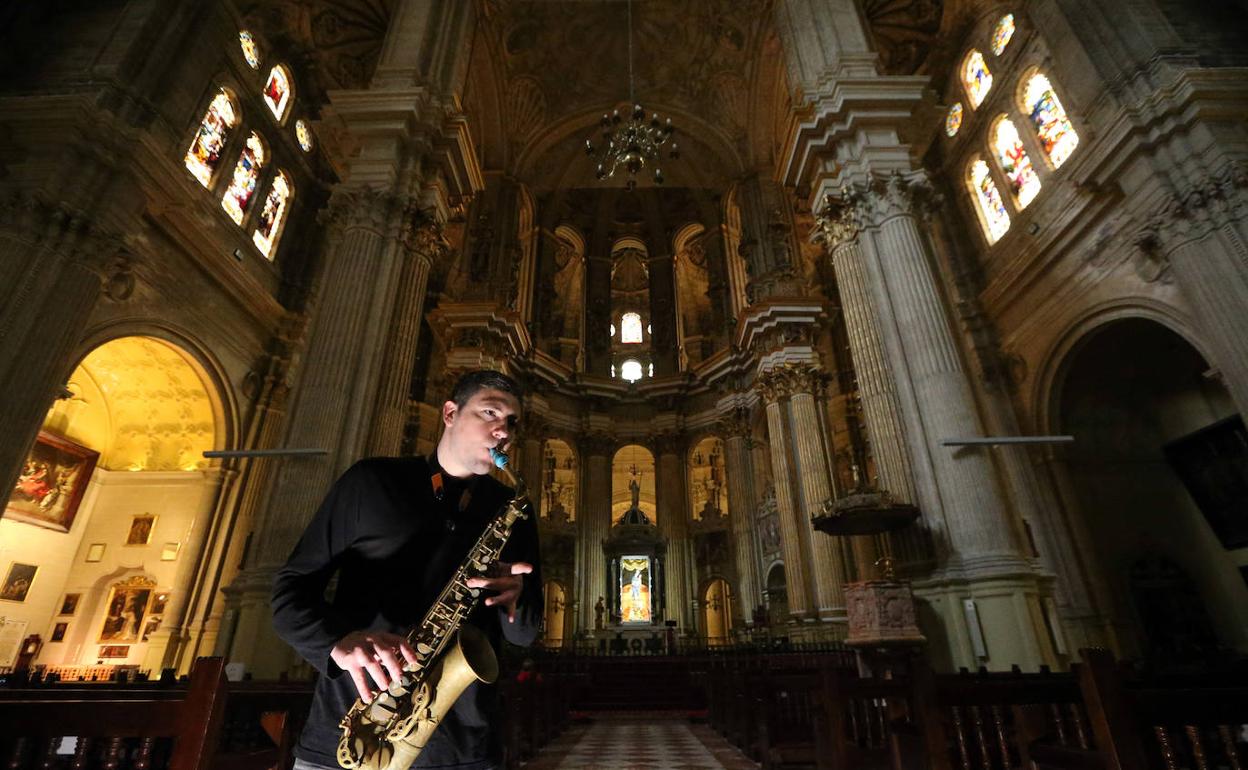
<point x="469" y="384"/>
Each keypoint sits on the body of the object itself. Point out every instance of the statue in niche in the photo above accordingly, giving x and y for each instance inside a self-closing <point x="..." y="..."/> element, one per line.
<point x="483" y="237"/>
<point x="600" y="609"/>
<point x="635" y="490"/>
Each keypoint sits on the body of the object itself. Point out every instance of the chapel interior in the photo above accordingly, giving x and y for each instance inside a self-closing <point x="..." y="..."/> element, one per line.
<point x="925" y="323"/>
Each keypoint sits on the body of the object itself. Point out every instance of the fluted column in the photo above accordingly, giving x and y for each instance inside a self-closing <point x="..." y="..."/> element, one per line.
<point x="815" y="475"/>
<point x="56" y="265"/>
<point x="976" y="516"/>
<point x="1204" y="237"/>
<point x="885" y="430"/>
<point x="794" y="539"/>
<point x="742" y="507"/>
<point x="529" y="462"/>
<point x="673" y="524"/>
<point x="594" y="523"/>
<point x="423" y="244"/>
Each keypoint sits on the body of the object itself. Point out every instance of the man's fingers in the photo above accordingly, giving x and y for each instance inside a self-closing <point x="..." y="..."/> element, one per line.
<point x="521" y="568"/>
<point x="408" y="653"/>
<point x="361" y="683"/>
<point x="391" y="661"/>
<point x="374" y="670"/>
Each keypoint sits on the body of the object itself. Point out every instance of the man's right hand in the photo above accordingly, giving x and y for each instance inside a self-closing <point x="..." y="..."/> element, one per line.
<point x="379" y="653"/>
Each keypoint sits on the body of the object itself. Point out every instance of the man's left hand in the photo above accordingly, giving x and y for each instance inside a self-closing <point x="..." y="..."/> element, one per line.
<point x="507" y="580"/>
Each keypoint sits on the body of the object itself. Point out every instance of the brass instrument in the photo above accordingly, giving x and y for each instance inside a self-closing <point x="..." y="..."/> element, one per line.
<point x="389" y="732"/>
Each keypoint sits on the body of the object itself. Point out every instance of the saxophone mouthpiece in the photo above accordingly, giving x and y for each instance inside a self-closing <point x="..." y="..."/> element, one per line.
<point x="500" y="459"/>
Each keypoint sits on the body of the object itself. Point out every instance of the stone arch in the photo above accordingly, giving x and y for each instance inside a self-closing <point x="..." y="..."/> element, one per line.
<point x="706" y="481"/>
<point x="627" y="459"/>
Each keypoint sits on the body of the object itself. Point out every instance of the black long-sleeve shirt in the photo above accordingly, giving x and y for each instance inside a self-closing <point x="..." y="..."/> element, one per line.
<point x="395" y="545"/>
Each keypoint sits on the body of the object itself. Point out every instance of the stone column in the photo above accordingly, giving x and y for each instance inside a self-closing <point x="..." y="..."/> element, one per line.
<point x="53" y="258"/>
<point x="673" y="524"/>
<point x="335" y="398"/>
<point x="794" y="539"/>
<point x="1204" y="238"/>
<point x="814" y="472"/>
<point x="423" y="244"/>
<point x="742" y="506"/>
<point x="976" y="519"/>
<point x="885" y="430"/>
<point x="529" y="461"/>
<point x="594" y="523"/>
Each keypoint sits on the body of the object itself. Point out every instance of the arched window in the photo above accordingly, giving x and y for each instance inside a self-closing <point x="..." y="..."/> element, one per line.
<point x="204" y="155"/>
<point x="251" y="51"/>
<point x="246" y="173"/>
<point x="1053" y="127"/>
<point x="1008" y="147"/>
<point x="273" y="215"/>
<point x="996" y="220"/>
<point x="1002" y="33"/>
<point x="631" y="370"/>
<point x="976" y="77"/>
<point x="277" y="92"/>
<point x="953" y="120"/>
<point x="630" y="327"/>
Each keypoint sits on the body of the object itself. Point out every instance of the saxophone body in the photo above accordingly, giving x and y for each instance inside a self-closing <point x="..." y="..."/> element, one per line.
<point x="390" y="732"/>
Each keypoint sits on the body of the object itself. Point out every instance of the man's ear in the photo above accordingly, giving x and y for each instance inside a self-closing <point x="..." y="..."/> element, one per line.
<point x="449" y="410"/>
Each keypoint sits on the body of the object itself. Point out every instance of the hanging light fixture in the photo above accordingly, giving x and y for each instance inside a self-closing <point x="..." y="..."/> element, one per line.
<point x="629" y="142"/>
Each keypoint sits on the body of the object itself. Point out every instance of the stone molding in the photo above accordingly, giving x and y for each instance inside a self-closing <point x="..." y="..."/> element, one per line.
<point x="601" y="444"/>
<point x="1204" y="207"/>
<point x="668" y="443"/>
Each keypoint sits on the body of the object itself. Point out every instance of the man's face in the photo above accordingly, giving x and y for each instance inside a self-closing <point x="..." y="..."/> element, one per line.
<point x="486" y="421"/>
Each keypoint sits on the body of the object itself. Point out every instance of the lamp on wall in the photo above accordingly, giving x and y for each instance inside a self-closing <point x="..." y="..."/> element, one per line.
<point x="631" y="141"/>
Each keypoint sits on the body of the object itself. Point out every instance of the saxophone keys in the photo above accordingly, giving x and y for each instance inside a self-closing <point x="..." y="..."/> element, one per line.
<point x="424" y="648"/>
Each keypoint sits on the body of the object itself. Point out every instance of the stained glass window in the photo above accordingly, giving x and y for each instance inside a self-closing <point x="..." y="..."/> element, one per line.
<point x="630" y="328"/>
<point x="631" y="370"/>
<point x="991" y="208"/>
<point x="246" y="174"/>
<point x="273" y="214"/>
<point x="251" y="51"/>
<point x="277" y="91"/>
<point x="1008" y="145"/>
<point x="976" y="77"/>
<point x="1053" y="127"/>
<point x="303" y="132"/>
<point x="1002" y="33"/>
<point x="953" y="121"/>
<point x="205" y="152"/>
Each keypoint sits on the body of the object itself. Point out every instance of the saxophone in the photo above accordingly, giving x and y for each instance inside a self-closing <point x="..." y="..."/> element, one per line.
<point x="389" y="732"/>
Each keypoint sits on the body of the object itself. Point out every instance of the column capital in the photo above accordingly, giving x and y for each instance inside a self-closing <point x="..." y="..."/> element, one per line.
<point x="837" y="224"/>
<point x="787" y="380"/>
<point x="735" y="424"/>
<point x="881" y="197"/>
<point x="668" y="443"/>
<point x="1192" y="213"/>
<point x="596" y="443"/>
<point x="422" y="234"/>
<point x="367" y="208"/>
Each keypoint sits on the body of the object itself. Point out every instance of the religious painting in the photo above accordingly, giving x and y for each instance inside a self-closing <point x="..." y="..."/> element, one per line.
<point x="69" y="605"/>
<point x="1213" y="465"/>
<point x="51" y="484"/>
<point x="635" y="589"/>
<point x="141" y="529"/>
<point x="126" y="610"/>
<point x="17" y="583"/>
<point x="115" y="651"/>
<point x="58" y="632"/>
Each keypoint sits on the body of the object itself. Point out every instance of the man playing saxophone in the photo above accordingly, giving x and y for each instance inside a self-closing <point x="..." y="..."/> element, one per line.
<point x="394" y="531"/>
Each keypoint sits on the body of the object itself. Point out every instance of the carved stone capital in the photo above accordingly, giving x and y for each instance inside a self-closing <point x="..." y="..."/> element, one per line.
<point x="884" y="197"/>
<point x="735" y="424"/>
<point x="787" y="380"/>
<point x="668" y="443"/>
<point x="836" y="224"/>
<point x="423" y="235"/>
<point x="602" y="444"/>
<point x="1203" y="207"/>
<point x="365" y="208"/>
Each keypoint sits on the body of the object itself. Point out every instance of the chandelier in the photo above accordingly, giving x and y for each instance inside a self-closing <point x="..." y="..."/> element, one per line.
<point x="630" y="142"/>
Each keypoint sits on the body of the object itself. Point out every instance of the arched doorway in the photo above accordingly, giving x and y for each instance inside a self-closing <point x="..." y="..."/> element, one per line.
<point x="717" y="612"/>
<point x="117" y="479"/>
<point x="1141" y="403"/>
<point x="556" y="605"/>
<point x="777" y="597"/>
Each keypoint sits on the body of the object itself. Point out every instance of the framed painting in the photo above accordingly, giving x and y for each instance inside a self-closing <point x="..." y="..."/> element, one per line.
<point x="51" y="484"/>
<point x="115" y="651"/>
<point x="126" y="608"/>
<point x="95" y="552"/>
<point x="58" y="632"/>
<point x="17" y="583"/>
<point x="69" y="605"/>
<point x="141" y="529"/>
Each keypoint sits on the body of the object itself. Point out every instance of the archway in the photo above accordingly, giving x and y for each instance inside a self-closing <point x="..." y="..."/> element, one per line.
<point x="559" y="482"/>
<point x="717" y="612"/>
<point x="632" y="483"/>
<point x="1146" y="415"/>
<point x="116" y="478"/>
<point x="556" y="612"/>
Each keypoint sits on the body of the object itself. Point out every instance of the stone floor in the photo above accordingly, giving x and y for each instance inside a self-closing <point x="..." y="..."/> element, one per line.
<point x="655" y="741"/>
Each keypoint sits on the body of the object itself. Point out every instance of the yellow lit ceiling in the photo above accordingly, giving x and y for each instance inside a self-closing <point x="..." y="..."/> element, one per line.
<point x="142" y="404"/>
